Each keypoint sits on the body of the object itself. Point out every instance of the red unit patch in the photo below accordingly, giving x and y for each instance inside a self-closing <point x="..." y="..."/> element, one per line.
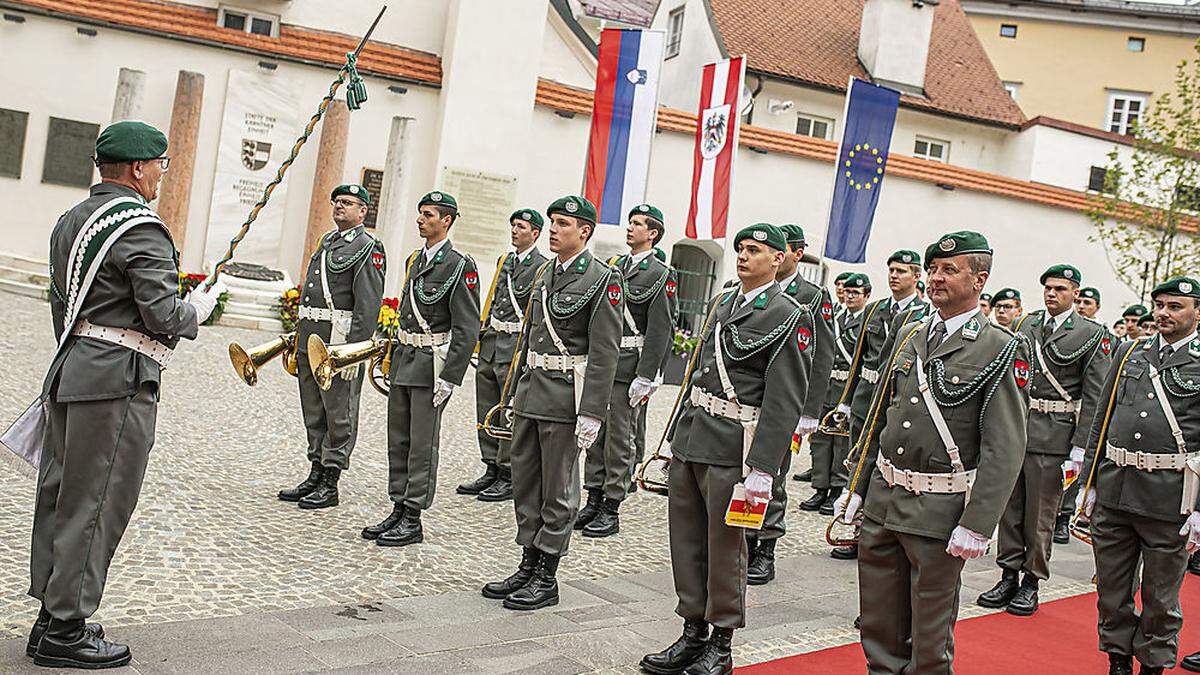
<point x="377" y="260"/>
<point x="1106" y="345"/>
<point x="614" y="294"/>
<point x="671" y="286"/>
<point x="472" y="279"/>
<point x="803" y="337"/>
<point x="1021" y="372"/>
<point x="826" y="311"/>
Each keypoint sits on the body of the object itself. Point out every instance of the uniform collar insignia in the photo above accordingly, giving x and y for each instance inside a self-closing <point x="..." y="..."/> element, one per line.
<point x="437" y="258"/>
<point x="970" y="330"/>
<point x="1194" y="348"/>
<point x="1147" y="344"/>
<point x="528" y="259"/>
<point x="1070" y="322"/>
<point x="581" y="263"/>
<point x="645" y="264"/>
<point x="791" y="289"/>
<point x="761" y="300"/>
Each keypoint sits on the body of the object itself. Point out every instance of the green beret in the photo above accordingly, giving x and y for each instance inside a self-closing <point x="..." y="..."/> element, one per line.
<point x="957" y="243"/>
<point x="1006" y="294"/>
<point x="765" y="233"/>
<point x="357" y="191"/>
<point x="843" y="276"/>
<point x="795" y="234"/>
<point x="1067" y="272"/>
<point x="905" y="257"/>
<point x="660" y="254"/>
<point x="1149" y="318"/>
<point x="1182" y="286"/>
<point x="438" y="198"/>
<point x="1090" y="292"/>
<point x="647" y="210"/>
<point x="986" y="297"/>
<point x="130" y="141"/>
<point x="575" y="206"/>
<point x="920" y="285"/>
<point x="1136" y="310"/>
<point x="857" y="280"/>
<point x="530" y="216"/>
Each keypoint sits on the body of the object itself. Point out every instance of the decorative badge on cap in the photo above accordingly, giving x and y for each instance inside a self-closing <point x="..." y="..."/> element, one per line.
<point x="571" y="206"/>
<point x="759" y="235"/>
<point x="525" y="215"/>
<point x="946" y="244"/>
<point x="1067" y="274"/>
<point x="644" y="209"/>
<point x="1185" y="287"/>
<point x="353" y="189"/>
<point x="435" y="197"/>
<point x="906" y="258"/>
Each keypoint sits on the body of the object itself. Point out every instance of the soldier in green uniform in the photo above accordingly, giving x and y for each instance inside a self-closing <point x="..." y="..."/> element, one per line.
<point x="1007" y="307"/>
<point x="1070" y="358"/>
<point x="1088" y="303"/>
<point x="438" y="329"/>
<point x="985" y="305"/>
<point x="1147" y="328"/>
<point x="1143" y="494"/>
<point x="839" y="308"/>
<point x="339" y="302"/>
<point x="741" y="407"/>
<point x="647" y="323"/>
<point x="1088" y="306"/>
<point x="942" y="451"/>
<point x="1131" y="316"/>
<point x="117" y="317"/>
<point x="503" y="312"/>
<point x="567" y="361"/>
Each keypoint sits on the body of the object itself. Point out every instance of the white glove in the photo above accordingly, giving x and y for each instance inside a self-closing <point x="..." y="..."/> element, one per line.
<point x="966" y="544"/>
<point x="1191" y="529"/>
<point x="843" y="409"/>
<point x="586" y="430"/>
<point x="848" y="505"/>
<point x="758" y="487"/>
<point x="1071" y="467"/>
<point x="350" y="373"/>
<point x="441" y="391"/>
<point x="1086" y="501"/>
<point x="639" y="390"/>
<point x="205" y="301"/>
<point x="806" y="426"/>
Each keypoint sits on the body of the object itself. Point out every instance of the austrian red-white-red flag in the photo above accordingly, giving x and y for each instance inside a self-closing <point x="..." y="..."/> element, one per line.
<point x="717" y="127"/>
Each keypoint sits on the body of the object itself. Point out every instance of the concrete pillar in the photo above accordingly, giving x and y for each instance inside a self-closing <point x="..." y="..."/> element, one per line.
<point x="331" y="162"/>
<point x="176" y="190"/>
<point x="394" y="209"/>
<point x="131" y="90"/>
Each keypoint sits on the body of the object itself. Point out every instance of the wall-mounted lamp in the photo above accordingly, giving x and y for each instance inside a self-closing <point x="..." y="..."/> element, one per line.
<point x="755" y="148"/>
<point x="15" y="18"/>
<point x="397" y="89"/>
<point x="565" y="114"/>
<point x="268" y="65"/>
<point x="89" y="32"/>
<point x="946" y="186"/>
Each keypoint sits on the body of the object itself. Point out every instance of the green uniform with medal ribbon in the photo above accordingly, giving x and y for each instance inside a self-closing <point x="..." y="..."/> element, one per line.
<point x="829" y="452"/>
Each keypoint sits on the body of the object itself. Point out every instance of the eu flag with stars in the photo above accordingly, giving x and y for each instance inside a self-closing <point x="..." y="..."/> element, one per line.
<point x="862" y="161"/>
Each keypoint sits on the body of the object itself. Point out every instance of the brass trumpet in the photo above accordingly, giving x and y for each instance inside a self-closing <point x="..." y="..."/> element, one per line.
<point x="835" y="423"/>
<point x="328" y="361"/>
<point x="844" y="538"/>
<point x="503" y="430"/>
<point x="247" y="363"/>
<point x="653" y="473"/>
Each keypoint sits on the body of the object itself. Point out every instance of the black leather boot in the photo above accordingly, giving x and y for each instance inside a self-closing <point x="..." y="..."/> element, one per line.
<point x="69" y="644"/>
<point x="1191" y="663"/>
<point x="1194" y="563"/>
<point x="804" y="477"/>
<point x="590" y="510"/>
<point x="303" y="489"/>
<point x="844" y="552"/>
<point x="326" y="494"/>
<point x="607" y="522"/>
<point x="482" y="483"/>
<point x="501" y="490"/>
<point x="373" y="531"/>
<point x="1120" y="664"/>
<point x="542" y="589"/>
<point x="761" y="569"/>
<point x="681" y="653"/>
<point x="498" y="590"/>
<point x="717" y="656"/>
<point x="1000" y="594"/>
<point x="827" y="505"/>
<point x="43" y="622"/>
<point x="407" y="531"/>
<point x="1062" y="529"/>
<point x="814" y="502"/>
<point x="1025" y="602"/>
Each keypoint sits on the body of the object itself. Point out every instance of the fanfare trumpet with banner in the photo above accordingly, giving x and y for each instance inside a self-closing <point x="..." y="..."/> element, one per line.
<point x="836" y="423"/>
<point x="248" y="362"/>
<point x="328" y="361"/>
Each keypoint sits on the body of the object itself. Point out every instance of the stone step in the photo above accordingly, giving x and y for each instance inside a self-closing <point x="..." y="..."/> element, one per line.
<point x="255" y="297"/>
<point x="24" y="263"/>
<point x="235" y="320"/>
<point x="24" y="274"/>
<point x="21" y="288"/>
<point x="251" y="309"/>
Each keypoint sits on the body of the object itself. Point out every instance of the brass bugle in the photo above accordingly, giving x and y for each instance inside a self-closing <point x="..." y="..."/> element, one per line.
<point x="503" y="430"/>
<point x="327" y="361"/>
<point x="843" y="538"/>
<point x="248" y="362"/>
<point x="835" y="424"/>
<point x="652" y="474"/>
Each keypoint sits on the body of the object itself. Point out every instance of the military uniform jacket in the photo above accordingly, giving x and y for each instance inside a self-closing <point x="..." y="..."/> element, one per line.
<point x="766" y="344"/>
<point x="846" y="330"/>
<point x="584" y="304"/>
<point x="650" y="301"/>
<point x="1078" y="354"/>
<point x="815" y="300"/>
<point x="1139" y="425"/>
<point x="495" y="346"/>
<point x="355" y="263"/>
<point x="137" y="287"/>
<point x="878" y="337"/>
<point x="977" y="376"/>
<point x="447" y="292"/>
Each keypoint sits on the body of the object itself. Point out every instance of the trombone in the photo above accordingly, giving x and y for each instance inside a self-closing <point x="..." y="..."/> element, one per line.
<point x="248" y="362"/>
<point x="836" y="423"/>
<point x="328" y="361"/>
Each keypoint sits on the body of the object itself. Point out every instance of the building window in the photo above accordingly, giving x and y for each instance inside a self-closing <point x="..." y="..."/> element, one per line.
<point x="69" y="148"/>
<point x="1098" y="179"/>
<point x="674" y="31"/>
<point x="12" y="141"/>
<point x="245" y="21"/>
<point x="1013" y="89"/>
<point x="1187" y="197"/>
<point x="814" y="125"/>
<point x="1136" y="44"/>
<point x="1008" y="30"/>
<point x="1125" y="110"/>
<point x="932" y="149"/>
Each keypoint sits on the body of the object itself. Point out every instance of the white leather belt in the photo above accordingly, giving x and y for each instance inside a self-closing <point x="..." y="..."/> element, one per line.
<point x="422" y="339"/>
<point x="509" y="327"/>
<point x="1047" y="405"/>
<point x="1148" y="461"/>
<point x="938" y="483"/>
<point x="556" y="362"/>
<point x="869" y="375"/>
<point x="323" y="313"/>
<point x="633" y="341"/>
<point x="840" y="375"/>
<point x="722" y="408"/>
<point x="127" y="338"/>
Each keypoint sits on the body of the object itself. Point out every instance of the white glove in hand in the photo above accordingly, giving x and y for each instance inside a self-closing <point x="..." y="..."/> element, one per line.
<point x="843" y="409"/>
<point x="1069" y="466"/>
<point x="758" y="487"/>
<point x="639" y="390"/>
<point x="586" y="431"/>
<point x="1191" y="530"/>
<point x="806" y="426"/>
<point x="966" y="544"/>
<point x="1077" y="454"/>
<point x="847" y="505"/>
<point x="205" y="301"/>
<point x="350" y="373"/>
<point x="1086" y="500"/>
<point x="441" y="391"/>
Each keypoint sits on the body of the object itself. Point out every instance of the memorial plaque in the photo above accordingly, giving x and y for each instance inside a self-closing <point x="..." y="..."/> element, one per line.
<point x="69" y="148"/>
<point x="372" y="179"/>
<point x="485" y="201"/>
<point x="12" y="141"/>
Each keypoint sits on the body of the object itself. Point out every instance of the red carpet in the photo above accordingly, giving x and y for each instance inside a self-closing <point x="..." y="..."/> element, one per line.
<point x="1060" y="639"/>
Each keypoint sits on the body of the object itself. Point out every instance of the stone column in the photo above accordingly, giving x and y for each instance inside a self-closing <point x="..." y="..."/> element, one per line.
<point x="393" y="208"/>
<point x="331" y="162"/>
<point x="131" y="90"/>
<point x="175" y="195"/>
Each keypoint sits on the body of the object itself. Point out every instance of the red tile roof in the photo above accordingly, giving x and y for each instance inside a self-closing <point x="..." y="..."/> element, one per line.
<point x="815" y="42"/>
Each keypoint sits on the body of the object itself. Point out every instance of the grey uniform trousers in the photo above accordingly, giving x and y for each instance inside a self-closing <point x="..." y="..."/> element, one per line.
<point x="1027" y="524"/>
<point x="545" y="476"/>
<point x="773" y="525"/>
<point x="93" y="463"/>
<point x="1151" y="635"/>
<point x="489" y="380"/>
<point x="909" y="591"/>
<point x="414" y="427"/>
<point x="610" y="462"/>
<point x="708" y="557"/>
<point x="330" y="416"/>
<point x="828" y="460"/>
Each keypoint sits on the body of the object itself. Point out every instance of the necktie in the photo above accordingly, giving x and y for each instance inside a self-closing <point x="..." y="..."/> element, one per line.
<point x="936" y="335"/>
<point x="1047" y="330"/>
<point x="1164" y="354"/>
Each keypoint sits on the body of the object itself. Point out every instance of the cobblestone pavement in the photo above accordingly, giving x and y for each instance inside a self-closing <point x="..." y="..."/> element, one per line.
<point x="210" y="540"/>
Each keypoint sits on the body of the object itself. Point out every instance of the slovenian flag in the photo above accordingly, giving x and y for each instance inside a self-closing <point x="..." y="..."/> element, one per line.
<point x="717" y="127"/>
<point x="624" y="113"/>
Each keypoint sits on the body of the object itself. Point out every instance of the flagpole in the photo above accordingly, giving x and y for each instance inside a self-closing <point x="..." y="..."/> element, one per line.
<point x="837" y="170"/>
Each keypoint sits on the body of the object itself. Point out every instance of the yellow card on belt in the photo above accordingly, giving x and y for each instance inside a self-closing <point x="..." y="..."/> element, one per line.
<point x="741" y="514"/>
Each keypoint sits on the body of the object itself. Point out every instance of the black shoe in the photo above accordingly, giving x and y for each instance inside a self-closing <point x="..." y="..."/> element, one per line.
<point x="1025" y="602"/>
<point x="681" y="653"/>
<point x="373" y="531"/>
<point x="1062" y="529"/>
<point x="827" y="505"/>
<point x="1000" y="594"/>
<point x="717" y="656"/>
<point x="482" y="483"/>
<point x="590" y="510"/>
<point x="499" y="491"/>
<point x="68" y="644"/>
<point x="302" y="490"/>
<point x="39" y="629"/>
<point x="326" y="494"/>
<point x="606" y="523"/>
<point x="542" y="589"/>
<point x="407" y="531"/>
<point x="858" y="622"/>
<point x="1149" y="670"/>
<point x="1194" y="563"/>
<point x="761" y="569"/>
<point x="844" y="553"/>
<point x="498" y="590"/>
<point x="1191" y="663"/>
<point x="814" y="502"/>
<point x="1120" y="664"/>
<point x="805" y="477"/>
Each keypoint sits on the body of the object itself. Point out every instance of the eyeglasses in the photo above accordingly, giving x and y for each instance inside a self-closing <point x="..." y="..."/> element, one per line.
<point x="346" y="202"/>
<point x="164" y="162"/>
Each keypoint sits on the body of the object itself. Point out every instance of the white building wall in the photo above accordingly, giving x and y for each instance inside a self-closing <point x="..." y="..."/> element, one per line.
<point x="680" y="84"/>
